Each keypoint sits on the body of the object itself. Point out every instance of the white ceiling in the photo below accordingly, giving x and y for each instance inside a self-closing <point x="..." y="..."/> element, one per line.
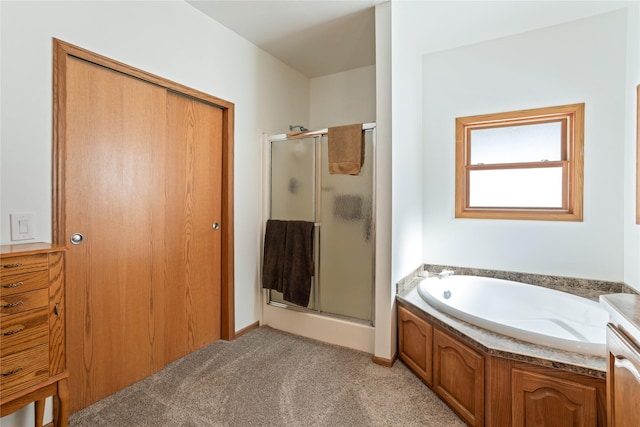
<point x="314" y="37"/>
<point x="325" y="37"/>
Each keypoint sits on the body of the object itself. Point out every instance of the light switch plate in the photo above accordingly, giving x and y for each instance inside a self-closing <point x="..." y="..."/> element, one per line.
<point x="22" y="226"/>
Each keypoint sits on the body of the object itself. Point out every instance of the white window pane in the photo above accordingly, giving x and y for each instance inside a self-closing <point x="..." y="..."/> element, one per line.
<point x="516" y="188"/>
<point x="514" y="144"/>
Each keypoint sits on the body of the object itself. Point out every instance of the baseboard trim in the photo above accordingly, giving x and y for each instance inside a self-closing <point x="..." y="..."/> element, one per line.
<point x="388" y="363"/>
<point x="248" y="329"/>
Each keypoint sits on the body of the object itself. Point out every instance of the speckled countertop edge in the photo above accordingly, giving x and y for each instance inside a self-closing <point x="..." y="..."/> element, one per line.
<point x="624" y="310"/>
<point x="497" y="344"/>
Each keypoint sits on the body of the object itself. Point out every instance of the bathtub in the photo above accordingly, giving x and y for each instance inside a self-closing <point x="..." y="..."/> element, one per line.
<point x="526" y="312"/>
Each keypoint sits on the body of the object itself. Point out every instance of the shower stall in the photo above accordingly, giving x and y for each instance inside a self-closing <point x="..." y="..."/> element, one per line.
<point x="341" y="207"/>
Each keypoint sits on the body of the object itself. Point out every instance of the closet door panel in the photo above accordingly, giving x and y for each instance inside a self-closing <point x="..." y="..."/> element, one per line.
<point x="193" y="179"/>
<point x="114" y="142"/>
<point x="138" y="174"/>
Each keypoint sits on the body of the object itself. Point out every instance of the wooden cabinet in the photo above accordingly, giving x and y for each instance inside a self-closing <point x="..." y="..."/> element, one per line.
<point x="458" y="377"/>
<point x="486" y="390"/>
<point x="623" y="380"/>
<point x="452" y="369"/>
<point x="415" y="344"/>
<point x="32" y="329"/>
<point x="543" y="400"/>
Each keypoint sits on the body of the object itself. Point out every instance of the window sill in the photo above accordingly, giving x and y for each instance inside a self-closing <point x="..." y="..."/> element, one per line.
<point x="533" y="215"/>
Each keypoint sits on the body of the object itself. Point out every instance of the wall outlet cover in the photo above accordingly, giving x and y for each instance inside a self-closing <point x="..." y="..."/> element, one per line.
<point x="22" y="226"/>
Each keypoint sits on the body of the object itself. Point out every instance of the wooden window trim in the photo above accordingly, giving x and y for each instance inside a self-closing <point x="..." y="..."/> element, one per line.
<point x="572" y="162"/>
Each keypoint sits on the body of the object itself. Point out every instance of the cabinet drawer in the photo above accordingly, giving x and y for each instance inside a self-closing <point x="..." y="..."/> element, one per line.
<point x="24" y="369"/>
<point x="23" y="330"/>
<point x="12" y="304"/>
<point x="23" y="264"/>
<point x="17" y="283"/>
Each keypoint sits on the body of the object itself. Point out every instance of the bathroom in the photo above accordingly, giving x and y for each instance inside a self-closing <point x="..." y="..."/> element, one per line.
<point x="413" y="92"/>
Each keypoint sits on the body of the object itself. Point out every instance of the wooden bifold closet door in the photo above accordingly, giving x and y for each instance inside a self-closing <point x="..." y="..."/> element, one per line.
<point x="142" y="184"/>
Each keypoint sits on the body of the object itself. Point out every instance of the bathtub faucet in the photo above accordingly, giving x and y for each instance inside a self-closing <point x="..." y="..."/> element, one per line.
<point x="445" y="273"/>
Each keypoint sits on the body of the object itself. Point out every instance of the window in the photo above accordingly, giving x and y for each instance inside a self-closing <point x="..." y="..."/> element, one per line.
<point x="521" y="164"/>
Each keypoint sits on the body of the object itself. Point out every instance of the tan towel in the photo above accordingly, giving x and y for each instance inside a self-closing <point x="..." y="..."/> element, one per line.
<point x="346" y="149"/>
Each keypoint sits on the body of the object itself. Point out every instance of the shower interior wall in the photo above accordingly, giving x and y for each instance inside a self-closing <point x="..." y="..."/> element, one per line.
<point x="336" y="99"/>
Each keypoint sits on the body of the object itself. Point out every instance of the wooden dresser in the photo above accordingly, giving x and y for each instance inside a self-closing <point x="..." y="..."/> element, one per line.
<point x="32" y="330"/>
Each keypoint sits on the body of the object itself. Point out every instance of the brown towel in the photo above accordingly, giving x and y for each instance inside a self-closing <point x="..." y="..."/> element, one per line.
<point x="346" y="149"/>
<point x="298" y="262"/>
<point x="273" y="259"/>
<point x="288" y="259"/>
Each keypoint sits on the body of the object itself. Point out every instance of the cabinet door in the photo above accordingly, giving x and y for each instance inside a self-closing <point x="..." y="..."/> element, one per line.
<point x="623" y="380"/>
<point x="545" y="401"/>
<point x="458" y="377"/>
<point x="415" y="344"/>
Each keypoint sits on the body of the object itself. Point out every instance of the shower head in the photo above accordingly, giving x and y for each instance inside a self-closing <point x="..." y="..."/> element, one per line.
<point x="302" y="128"/>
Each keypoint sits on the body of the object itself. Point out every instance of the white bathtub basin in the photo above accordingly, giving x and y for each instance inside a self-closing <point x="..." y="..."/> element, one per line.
<point x="526" y="312"/>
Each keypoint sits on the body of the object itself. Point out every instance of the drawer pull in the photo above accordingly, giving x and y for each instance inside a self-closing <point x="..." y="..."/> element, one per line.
<point x="13" y="304"/>
<point x="12" y="372"/>
<point x="12" y="285"/>
<point x="15" y="331"/>
<point x="14" y="265"/>
<point x="56" y="309"/>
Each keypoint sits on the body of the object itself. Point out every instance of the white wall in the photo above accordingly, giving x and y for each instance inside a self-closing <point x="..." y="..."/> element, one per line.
<point x="581" y="61"/>
<point x="343" y="98"/>
<point x="167" y="38"/>
<point x="407" y="146"/>
<point x="385" y="290"/>
<point x="399" y="172"/>
<point x="631" y="229"/>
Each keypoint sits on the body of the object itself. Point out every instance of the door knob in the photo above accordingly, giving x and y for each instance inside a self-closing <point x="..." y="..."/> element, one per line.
<point x="76" y="238"/>
<point x="216" y="226"/>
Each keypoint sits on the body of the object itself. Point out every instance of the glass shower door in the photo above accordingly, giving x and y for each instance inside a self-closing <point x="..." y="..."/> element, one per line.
<point x="347" y="238"/>
<point x="341" y="206"/>
<point x="293" y="189"/>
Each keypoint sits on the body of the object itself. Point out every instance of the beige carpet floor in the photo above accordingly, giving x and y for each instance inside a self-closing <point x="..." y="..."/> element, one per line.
<point x="271" y="378"/>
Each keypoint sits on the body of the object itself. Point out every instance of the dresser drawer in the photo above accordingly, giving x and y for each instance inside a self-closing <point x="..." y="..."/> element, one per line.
<point x="14" y="284"/>
<point x="21" y="370"/>
<point x="12" y="304"/>
<point x="23" y="264"/>
<point x="24" y="330"/>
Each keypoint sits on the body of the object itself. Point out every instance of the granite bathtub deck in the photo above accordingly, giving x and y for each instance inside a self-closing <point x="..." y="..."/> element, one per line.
<point x="502" y="346"/>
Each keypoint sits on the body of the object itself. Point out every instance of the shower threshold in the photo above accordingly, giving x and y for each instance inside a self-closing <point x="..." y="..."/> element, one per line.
<point x="364" y="322"/>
